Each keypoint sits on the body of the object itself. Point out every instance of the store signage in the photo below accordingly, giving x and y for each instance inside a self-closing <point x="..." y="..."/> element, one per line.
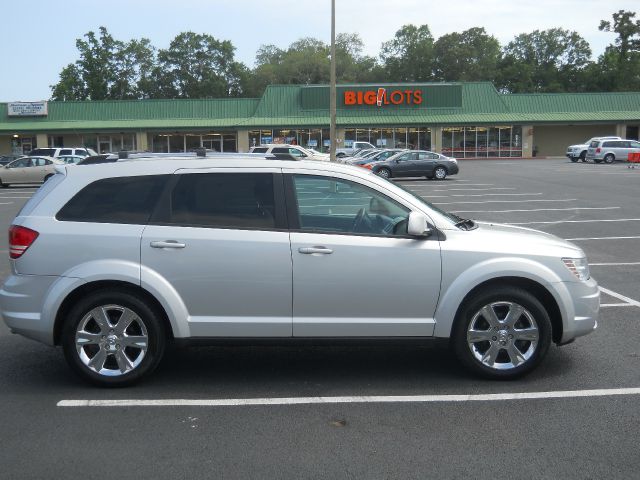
<point x="27" y="109"/>
<point x="382" y="97"/>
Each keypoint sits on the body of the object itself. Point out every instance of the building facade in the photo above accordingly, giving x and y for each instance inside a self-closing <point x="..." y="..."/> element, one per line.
<point x="465" y="120"/>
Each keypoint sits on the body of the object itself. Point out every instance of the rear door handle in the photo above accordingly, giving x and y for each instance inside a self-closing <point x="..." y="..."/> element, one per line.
<point x="312" y="250"/>
<point x="167" y="244"/>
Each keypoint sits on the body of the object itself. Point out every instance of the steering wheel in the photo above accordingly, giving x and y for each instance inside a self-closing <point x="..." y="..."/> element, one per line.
<point x="359" y="220"/>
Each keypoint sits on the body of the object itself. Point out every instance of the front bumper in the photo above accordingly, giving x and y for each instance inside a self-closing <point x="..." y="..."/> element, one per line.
<point x="583" y="310"/>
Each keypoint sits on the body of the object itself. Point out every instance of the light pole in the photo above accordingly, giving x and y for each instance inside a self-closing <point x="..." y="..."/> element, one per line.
<point x="332" y="86"/>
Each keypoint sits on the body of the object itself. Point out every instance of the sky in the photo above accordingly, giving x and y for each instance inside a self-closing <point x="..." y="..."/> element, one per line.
<point x="37" y="37"/>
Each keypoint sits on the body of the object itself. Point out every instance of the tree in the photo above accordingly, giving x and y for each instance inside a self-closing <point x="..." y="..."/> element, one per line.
<point x="408" y="57"/>
<point x="466" y="57"/>
<point x="620" y="64"/>
<point x="197" y="66"/>
<point x="107" y="69"/>
<point x="551" y="60"/>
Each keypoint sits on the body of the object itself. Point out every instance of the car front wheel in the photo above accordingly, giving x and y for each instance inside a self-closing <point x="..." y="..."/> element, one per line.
<point x="113" y="338"/>
<point x="384" y="172"/>
<point x="501" y="333"/>
<point x="440" y="173"/>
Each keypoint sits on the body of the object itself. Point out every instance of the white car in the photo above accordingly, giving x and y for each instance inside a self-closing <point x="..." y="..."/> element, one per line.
<point x="579" y="152"/>
<point x="295" y="151"/>
<point x="28" y="170"/>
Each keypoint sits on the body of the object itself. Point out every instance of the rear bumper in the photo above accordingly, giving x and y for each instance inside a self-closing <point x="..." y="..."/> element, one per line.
<point x="22" y="300"/>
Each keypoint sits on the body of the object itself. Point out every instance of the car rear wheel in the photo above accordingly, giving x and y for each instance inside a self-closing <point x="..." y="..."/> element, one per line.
<point x="3" y="185"/>
<point x="113" y="338"/>
<point x="384" y="172"/>
<point x="440" y="173"/>
<point x="609" y="158"/>
<point x="501" y="333"/>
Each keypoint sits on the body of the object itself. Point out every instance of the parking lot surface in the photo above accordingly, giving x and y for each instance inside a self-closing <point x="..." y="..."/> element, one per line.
<point x="364" y="412"/>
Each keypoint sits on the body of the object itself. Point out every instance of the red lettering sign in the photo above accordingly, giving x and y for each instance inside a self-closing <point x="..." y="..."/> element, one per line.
<point x="382" y="97"/>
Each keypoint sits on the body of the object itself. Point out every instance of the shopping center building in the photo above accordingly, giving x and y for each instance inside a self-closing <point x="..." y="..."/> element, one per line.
<point x="465" y="120"/>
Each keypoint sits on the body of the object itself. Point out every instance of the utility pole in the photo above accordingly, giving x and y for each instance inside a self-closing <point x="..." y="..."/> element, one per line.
<point x="332" y="86"/>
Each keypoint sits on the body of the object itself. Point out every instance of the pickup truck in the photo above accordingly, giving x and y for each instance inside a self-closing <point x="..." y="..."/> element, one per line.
<point x="579" y="152"/>
<point x="355" y="146"/>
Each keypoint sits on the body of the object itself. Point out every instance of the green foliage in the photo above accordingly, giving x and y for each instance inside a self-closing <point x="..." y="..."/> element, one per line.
<point x="409" y="56"/>
<point x="199" y="65"/>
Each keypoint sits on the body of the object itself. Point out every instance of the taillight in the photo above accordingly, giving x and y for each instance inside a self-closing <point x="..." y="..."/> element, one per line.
<point x="366" y="165"/>
<point x="598" y="150"/>
<point x="20" y="238"/>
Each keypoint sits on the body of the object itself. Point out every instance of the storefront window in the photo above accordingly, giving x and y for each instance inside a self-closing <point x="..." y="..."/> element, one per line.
<point x="482" y="142"/>
<point x="193" y="142"/>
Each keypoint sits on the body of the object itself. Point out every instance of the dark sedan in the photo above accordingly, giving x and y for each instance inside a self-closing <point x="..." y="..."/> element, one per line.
<point x="416" y="163"/>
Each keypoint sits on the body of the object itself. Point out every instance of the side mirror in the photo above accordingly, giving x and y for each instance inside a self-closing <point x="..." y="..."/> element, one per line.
<point x="417" y="226"/>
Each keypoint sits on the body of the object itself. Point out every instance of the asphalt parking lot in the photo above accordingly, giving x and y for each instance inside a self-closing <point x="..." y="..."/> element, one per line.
<point x="402" y="412"/>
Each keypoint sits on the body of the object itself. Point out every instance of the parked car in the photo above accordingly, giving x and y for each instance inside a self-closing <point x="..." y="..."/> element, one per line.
<point x="608" y="151"/>
<point x="72" y="159"/>
<point x="579" y="152"/>
<point x="28" y="170"/>
<point x="210" y="250"/>
<point x="416" y="163"/>
<point x="4" y="159"/>
<point x="59" y="151"/>
<point x="294" y="151"/>
<point x="355" y="146"/>
<point x="374" y="156"/>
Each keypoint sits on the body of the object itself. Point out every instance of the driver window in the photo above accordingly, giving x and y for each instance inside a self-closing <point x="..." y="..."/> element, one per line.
<point x="334" y="205"/>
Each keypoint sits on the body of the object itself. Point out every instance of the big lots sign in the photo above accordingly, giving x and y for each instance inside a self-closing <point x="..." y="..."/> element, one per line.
<point x="382" y="96"/>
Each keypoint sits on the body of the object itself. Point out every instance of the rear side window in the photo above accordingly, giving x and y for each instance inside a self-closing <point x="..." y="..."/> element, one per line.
<point x="129" y="200"/>
<point x="66" y="151"/>
<point x="224" y="200"/>
<point x="594" y="144"/>
<point x="259" y="150"/>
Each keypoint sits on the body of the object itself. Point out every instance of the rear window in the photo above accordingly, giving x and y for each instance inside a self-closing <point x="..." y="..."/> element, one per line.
<point x="224" y="200"/>
<point x="47" y="152"/>
<point x="129" y="200"/>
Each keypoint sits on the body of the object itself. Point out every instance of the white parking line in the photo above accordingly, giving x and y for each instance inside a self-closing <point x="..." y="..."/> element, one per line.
<point x="601" y="238"/>
<point x="613" y="264"/>
<point x="578" y="221"/>
<point x="605" y="305"/>
<point x="619" y="296"/>
<point x="239" y="402"/>
<point x="536" y="210"/>
<point x="474" y="189"/>
<point x="430" y="185"/>
<point x="507" y="201"/>
<point x="495" y="194"/>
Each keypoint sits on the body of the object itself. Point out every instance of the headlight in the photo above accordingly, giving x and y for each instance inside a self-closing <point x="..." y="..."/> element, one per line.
<point x="578" y="266"/>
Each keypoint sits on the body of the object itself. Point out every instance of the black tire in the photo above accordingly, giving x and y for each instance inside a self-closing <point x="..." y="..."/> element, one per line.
<point x="47" y="177"/>
<point x="155" y="336"/>
<point x="574" y="159"/>
<point x="609" y="158"/>
<point x="3" y="185"/>
<point x="502" y="339"/>
<point x="384" y="173"/>
<point x="440" y="173"/>
<point x="583" y="156"/>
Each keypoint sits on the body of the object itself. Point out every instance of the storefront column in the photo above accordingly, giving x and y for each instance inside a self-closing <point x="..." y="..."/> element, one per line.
<point x="142" y="142"/>
<point x="436" y="139"/>
<point x="528" y="141"/>
<point x="41" y="140"/>
<point x="243" y="141"/>
<point x="5" y="145"/>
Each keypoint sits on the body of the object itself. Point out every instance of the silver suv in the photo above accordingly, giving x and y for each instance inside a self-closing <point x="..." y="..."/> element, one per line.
<point x="152" y="251"/>
<point x="608" y="151"/>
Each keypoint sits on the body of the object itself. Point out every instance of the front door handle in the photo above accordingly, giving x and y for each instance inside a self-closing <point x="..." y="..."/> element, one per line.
<point x="312" y="250"/>
<point x="167" y="244"/>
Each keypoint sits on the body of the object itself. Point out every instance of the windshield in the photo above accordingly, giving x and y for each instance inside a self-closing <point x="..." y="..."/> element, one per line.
<point x="454" y="218"/>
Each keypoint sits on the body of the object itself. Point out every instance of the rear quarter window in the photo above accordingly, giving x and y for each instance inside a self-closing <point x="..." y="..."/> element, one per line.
<point x="128" y="200"/>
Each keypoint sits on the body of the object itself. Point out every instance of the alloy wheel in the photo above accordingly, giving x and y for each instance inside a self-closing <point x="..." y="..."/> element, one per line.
<point x="503" y="335"/>
<point x="111" y="340"/>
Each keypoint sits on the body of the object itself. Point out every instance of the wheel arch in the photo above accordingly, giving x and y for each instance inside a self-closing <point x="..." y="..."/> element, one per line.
<point x="117" y="285"/>
<point x="542" y="293"/>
